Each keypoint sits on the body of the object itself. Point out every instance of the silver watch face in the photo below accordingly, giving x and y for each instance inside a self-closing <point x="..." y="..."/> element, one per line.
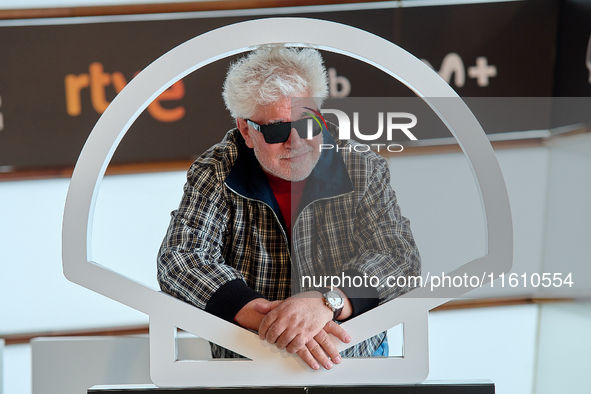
<point x="334" y="300"/>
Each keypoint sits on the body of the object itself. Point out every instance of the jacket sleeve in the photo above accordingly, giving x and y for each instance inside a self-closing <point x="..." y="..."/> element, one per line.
<point x="191" y="264"/>
<point x="385" y="245"/>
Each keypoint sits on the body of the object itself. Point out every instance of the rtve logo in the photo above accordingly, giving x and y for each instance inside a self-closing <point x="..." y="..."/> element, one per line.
<point x="97" y="80"/>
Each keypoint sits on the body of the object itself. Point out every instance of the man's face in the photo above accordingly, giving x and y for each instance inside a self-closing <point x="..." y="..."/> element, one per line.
<point x="292" y="160"/>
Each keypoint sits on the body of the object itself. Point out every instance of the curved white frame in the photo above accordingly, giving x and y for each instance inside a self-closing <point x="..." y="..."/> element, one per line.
<point x="270" y="367"/>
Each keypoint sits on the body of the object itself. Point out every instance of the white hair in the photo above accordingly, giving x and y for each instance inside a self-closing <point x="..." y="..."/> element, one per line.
<point x="271" y="73"/>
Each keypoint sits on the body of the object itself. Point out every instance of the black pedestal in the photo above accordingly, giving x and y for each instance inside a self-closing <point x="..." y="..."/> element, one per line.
<point x="434" y="387"/>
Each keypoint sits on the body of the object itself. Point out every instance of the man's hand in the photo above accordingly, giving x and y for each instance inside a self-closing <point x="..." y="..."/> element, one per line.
<point x="321" y="350"/>
<point x="292" y="323"/>
<point x="250" y="316"/>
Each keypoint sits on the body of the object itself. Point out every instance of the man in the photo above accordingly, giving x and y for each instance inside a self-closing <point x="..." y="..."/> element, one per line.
<point x="266" y="207"/>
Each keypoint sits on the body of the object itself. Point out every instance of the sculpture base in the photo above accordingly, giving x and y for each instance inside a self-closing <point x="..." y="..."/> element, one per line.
<point x="439" y="387"/>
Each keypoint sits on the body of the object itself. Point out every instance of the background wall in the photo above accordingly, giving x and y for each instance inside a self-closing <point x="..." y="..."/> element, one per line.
<point x="527" y="348"/>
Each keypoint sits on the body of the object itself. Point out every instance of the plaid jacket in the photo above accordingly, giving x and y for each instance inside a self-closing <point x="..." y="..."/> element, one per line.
<point x="226" y="243"/>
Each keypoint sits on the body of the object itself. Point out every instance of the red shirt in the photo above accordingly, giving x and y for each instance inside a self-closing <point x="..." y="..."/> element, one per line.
<point x="288" y="195"/>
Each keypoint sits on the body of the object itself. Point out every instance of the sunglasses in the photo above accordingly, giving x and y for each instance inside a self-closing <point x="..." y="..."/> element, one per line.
<point x="277" y="133"/>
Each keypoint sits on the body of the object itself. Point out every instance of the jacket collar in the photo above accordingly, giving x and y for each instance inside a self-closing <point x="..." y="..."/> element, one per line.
<point x="328" y="179"/>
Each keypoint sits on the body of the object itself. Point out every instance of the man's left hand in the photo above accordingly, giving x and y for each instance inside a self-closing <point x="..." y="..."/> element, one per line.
<point x="292" y="323"/>
<point x="321" y="350"/>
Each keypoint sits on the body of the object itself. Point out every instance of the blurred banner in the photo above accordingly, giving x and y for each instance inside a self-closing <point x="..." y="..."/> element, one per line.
<point x="573" y="50"/>
<point x="58" y="75"/>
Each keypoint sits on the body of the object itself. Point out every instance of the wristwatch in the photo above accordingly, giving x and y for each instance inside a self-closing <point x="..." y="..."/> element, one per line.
<point x="334" y="300"/>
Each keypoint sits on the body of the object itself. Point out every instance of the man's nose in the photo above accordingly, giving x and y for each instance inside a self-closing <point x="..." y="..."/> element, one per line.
<point x="294" y="141"/>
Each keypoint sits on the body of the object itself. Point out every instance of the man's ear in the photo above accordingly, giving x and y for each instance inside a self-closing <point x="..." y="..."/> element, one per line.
<point x="245" y="131"/>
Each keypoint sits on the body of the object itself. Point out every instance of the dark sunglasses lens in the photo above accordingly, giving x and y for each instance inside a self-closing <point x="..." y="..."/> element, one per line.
<point x="276" y="133"/>
<point x="279" y="132"/>
<point x="302" y="127"/>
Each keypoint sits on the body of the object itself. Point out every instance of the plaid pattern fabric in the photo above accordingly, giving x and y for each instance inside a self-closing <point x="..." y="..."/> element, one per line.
<point x="218" y="235"/>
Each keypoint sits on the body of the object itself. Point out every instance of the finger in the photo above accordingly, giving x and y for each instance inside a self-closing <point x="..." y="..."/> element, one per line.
<point x="307" y="357"/>
<point x="288" y="339"/>
<point x="272" y="327"/>
<point x="263" y="307"/>
<point x="296" y="344"/>
<point x="318" y="353"/>
<point x="275" y="332"/>
<point x="266" y="307"/>
<point x="267" y="322"/>
<point x="333" y="328"/>
<point x="327" y="345"/>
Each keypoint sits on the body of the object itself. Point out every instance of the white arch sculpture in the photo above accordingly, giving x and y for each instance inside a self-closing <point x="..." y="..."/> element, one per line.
<point x="267" y="365"/>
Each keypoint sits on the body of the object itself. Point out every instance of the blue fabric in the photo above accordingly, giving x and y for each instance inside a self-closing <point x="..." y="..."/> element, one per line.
<point x="383" y="350"/>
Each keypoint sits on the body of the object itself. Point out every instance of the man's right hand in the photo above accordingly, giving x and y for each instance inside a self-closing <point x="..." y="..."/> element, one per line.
<point x="250" y="316"/>
<point x="321" y="350"/>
